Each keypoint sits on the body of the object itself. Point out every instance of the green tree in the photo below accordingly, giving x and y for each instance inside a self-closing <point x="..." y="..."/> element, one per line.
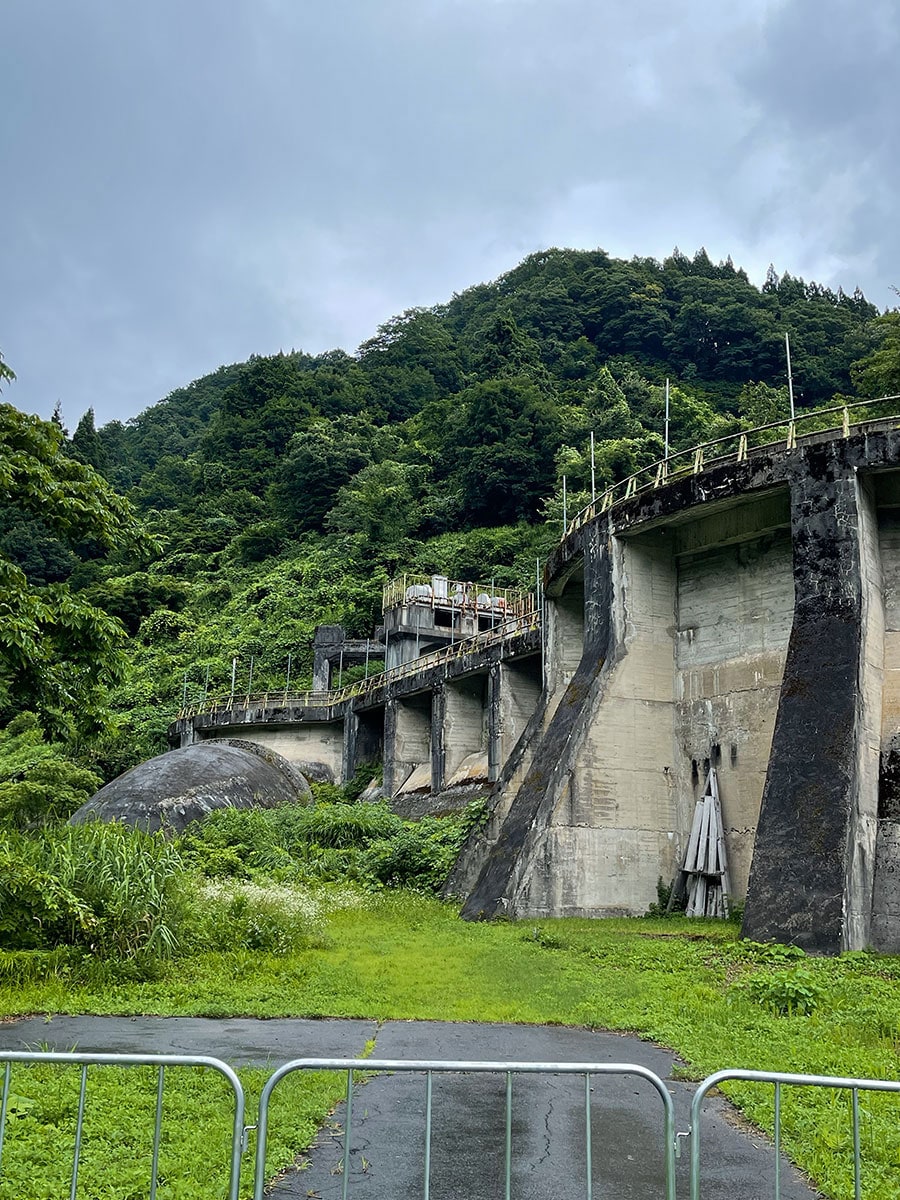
<point x="86" y="445"/>
<point x="878" y="374"/>
<point x="505" y="452"/>
<point x="57" y="651"/>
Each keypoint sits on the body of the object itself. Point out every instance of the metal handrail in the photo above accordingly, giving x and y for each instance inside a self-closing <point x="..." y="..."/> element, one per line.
<point x="161" y="1062"/>
<point x="590" y="1072"/>
<point x="779" y="1079"/>
<point x="460" y="594"/>
<point x="434" y="658"/>
<point x="661" y="471"/>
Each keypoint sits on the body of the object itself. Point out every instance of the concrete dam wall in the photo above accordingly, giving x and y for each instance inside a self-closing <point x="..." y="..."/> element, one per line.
<point x="743" y="616"/>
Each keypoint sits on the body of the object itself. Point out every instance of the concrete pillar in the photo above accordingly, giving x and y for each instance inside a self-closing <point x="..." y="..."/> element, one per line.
<point x="326" y="643"/>
<point x="407" y="739"/>
<point x="464" y="724"/>
<point x="363" y="739"/>
<point x="519" y="693"/>
<point x="811" y="875"/>
<point x="438" y="750"/>
<point x="494" y="723"/>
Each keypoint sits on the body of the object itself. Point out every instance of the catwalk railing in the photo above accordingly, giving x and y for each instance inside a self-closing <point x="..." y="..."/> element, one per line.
<point x="734" y="447"/>
<point x="519" y="608"/>
<point x="277" y="698"/>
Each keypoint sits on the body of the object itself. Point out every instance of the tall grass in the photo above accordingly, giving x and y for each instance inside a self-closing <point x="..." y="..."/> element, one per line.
<point x="107" y="889"/>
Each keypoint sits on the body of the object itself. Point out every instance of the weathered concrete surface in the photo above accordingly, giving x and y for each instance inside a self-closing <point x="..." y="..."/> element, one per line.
<point x="172" y="790"/>
<point x="468" y="1130"/>
<point x="519" y="695"/>
<point x="735" y="607"/>
<point x="414" y="805"/>
<point x="614" y="816"/>
<point x="798" y="881"/>
<point x="464" y="729"/>
<point x="321" y="742"/>
<point x="886" y="888"/>
<point x="407" y="740"/>
<point x="516" y="851"/>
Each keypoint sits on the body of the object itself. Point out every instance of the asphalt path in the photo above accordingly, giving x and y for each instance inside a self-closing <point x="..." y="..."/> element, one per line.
<point x="387" y="1129"/>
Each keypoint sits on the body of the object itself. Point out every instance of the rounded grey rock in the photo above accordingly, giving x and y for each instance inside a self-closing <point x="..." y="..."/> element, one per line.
<point x="172" y="790"/>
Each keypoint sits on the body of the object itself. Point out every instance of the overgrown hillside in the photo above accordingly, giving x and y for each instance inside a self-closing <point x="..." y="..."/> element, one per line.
<point x="282" y="492"/>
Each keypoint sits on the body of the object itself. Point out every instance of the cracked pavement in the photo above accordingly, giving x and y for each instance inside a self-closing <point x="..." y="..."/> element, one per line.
<point x="387" y="1131"/>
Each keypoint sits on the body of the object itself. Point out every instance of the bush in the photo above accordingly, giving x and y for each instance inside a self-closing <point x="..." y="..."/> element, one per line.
<point x="38" y="781"/>
<point x="419" y="855"/>
<point x="787" y="992"/>
<point x="245" y="916"/>
<point x="108" y="889"/>
<point x="330" y="840"/>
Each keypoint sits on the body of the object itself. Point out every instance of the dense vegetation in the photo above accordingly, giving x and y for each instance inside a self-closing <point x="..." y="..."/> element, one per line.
<point x="234" y="516"/>
<point x="281" y="492"/>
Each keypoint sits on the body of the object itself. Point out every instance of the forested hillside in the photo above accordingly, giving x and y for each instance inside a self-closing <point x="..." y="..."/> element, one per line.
<point x="282" y="492"/>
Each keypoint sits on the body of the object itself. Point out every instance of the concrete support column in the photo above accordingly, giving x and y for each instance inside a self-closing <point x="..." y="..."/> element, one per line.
<point x="811" y="875"/>
<point x="438" y="746"/>
<point x="496" y="757"/>
<point x="407" y="739"/>
<point x="464" y="723"/>
<point x="391" y="783"/>
<point x="363" y="739"/>
<point x="519" y="688"/>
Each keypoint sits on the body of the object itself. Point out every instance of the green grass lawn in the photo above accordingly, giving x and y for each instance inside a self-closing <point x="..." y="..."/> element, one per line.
<point x="688" y="985"/>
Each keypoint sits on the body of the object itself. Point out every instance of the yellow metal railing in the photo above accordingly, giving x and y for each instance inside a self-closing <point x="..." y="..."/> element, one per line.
<point x="436" y="658"/>
<point x="438" y="591"/>
<point x="734" y="447"/>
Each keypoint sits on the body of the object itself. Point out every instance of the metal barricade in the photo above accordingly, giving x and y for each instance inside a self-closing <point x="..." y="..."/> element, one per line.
<point x="161" y="1062"/>
<point x="430" y="1068"/>
<point x="779" y="1079"/>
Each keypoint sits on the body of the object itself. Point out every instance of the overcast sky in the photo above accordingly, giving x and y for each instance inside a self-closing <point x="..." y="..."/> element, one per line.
<point x="187" y="182"/>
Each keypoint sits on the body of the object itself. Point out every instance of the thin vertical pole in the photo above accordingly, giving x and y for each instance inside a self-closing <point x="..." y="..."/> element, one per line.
<point x="565" y="512"/>
<point x="427" y="1192"/>
<point x="250" y="680"/>
<point x="348" y="1124"/>
<point x="79" y="1129"/>
<point x="341" y="667"/>
<point x="157" y="1131"/>
<point x="367" y="658"/>
<point x="787" y="347"/>
<point x="857" y="1188"/>
<point x="287" y="682"/>
<point x="667" y="421"/>
<point x="4" y="1100"/>
<point x="508" y="1164"/>
<point x="777" y="1141"/>
<point x="184" y="691"/>
<point x="233" y="675"/>
<point x="593" y="471"/>
<point x="588" y="1149"/>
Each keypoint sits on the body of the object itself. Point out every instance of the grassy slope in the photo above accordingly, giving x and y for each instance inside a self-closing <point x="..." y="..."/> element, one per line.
<point x="670" y="981"/>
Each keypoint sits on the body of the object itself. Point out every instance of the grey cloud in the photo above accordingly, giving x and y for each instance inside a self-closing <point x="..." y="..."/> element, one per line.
<point x="188" y="184"/>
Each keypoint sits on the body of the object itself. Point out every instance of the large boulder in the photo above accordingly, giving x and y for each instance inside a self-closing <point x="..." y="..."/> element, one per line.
<point x="172" y="790"/>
